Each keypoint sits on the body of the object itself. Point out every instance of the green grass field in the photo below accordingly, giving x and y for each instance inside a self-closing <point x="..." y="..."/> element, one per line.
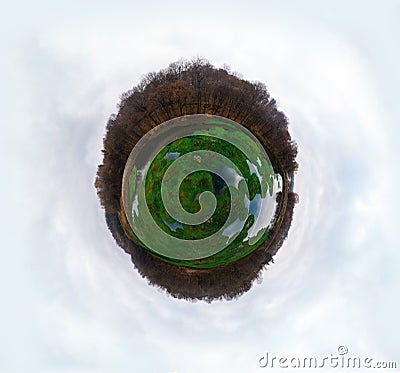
<point x="189" y="191"/>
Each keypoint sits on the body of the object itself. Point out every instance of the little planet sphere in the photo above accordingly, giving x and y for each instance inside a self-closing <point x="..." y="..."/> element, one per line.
<point x="197" y="180"/>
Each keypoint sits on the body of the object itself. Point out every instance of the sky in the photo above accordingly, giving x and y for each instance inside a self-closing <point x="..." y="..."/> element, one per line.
<point x="71" y="300"/>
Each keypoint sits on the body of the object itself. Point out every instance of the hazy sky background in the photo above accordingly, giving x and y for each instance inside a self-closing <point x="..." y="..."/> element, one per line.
<point x="71" y="300"/>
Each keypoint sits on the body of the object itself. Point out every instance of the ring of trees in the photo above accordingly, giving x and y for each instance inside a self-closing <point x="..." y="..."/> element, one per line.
<point x="197" y="87"/>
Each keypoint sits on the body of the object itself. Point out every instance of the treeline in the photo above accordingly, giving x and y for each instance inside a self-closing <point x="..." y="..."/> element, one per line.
<point x="279" y="233"/>
<point x="184" y="88"/>
<point x="225" y="282"/>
